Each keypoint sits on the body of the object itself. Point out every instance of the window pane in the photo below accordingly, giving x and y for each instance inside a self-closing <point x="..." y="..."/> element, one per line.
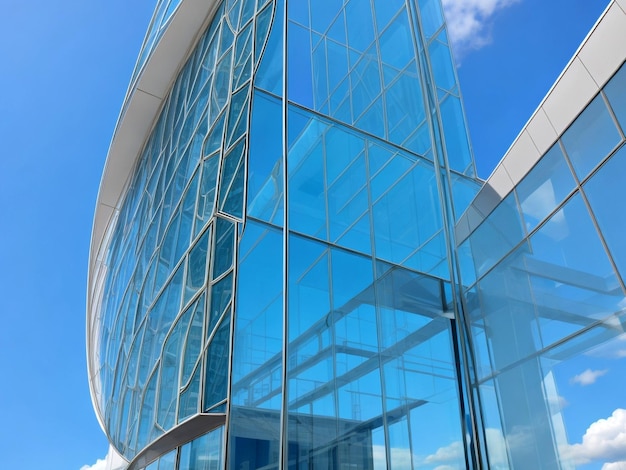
<point x="544" y="187"/>
<point x="606" y="192"/>
<point x="591" y="137"/>
<point x="616" y="93"/>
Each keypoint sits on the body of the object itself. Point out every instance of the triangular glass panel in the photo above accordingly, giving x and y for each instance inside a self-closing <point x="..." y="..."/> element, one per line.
<point x="337" y="30"/>
<point x="262" y="29"/>
<point x="230" y="164"/>
<point x="233" y="203"/>
<point x="238" y="116"/>
<point x="247" y="11"/>
<point x="226" y="38"/>
<point x="213" y="141"/>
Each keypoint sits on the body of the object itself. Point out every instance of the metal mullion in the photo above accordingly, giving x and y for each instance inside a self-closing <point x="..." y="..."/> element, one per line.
<point x="472" y="450"/>
<point x="283" y="458"/>
<point x="230" y="310"/>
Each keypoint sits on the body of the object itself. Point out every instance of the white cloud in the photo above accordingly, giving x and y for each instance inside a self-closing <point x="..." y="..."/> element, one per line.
<point x="101" y="464"/>
<point x="496" y="447"/>
<point x="614" y="466"/>
<point x="604" y="440"/>
<point x="112" y="461"/>
<point x="469" y="21"/>
<point x="448" y="453"/>
<point x="588" y="377"/>
<point x="453" y="453"/>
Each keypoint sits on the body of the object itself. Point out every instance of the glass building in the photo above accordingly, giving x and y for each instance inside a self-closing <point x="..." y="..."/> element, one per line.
<point x="294" y="265"/>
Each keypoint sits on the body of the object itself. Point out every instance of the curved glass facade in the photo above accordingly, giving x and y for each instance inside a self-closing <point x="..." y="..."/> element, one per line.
<point x="280" y="259"/>
<point x="164" y="321"/>
<point x="280" y="285"/>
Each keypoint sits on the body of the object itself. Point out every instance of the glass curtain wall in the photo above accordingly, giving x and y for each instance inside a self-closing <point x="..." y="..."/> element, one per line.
<point x="545" y="297"/>
<point x="281" y="257"/>
<point x="344" y="354"/>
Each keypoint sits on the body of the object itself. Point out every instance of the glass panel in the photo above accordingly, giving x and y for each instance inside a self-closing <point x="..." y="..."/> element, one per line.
<point x="407" y="217"/>
<point x="197" y="266"/>
<point x="431" y="15"/>
<point x="497" y="235"/>
<point x="193" y="341"/>
<point x="606" y="192"/>
<point x="547" y="184"/>
<point x="307" y="188"/>
<point x="265" y="178"/>
<point x="591" y="137"/>
<point x="259" y="319"/>
<point x="170" y="367"/>
<point x="224" y="245"/>
<point x="457" y="144"/>
<point x="441" y="63"/>
<point x="308" y="285"/>
<point x="190" y="397"/>
<point x="204" y="453"/>
<point x="270" y="74"/>
<point x="168" y="461"/>
<point x="616" y="93"/>
<point x="221" y="294"/>
<point x="217" y="365"/>
<point x="299" y="60"/>
<point x="572" y="287"/>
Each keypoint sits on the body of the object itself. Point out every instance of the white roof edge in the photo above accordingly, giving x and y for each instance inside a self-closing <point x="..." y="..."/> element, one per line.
<point x="529" y="145"/>
<point x="139" y="112"/>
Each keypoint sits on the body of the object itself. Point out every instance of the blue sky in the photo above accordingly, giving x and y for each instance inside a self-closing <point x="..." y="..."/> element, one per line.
<point x="65" y="68"/>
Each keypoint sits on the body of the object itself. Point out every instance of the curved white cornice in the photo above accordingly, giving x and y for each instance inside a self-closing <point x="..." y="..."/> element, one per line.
<point x="139" y="112"/>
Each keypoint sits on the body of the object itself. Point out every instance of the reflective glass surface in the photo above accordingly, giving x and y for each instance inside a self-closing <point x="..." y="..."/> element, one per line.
<point x="546" y="315"/>
<point x="281" y="254"/>
<point x="591" y="137"/>
<point x="169" y="283"/>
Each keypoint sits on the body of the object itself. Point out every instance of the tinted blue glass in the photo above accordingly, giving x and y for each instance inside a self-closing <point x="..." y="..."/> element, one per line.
<point x="258" y="324"/>
<point x="431" y="15"/>
<point x="203" y="453"/>
<point x="510" y="322"/>
<point x="221" y="294"/>
<point x="265" y="179"/>
<point x="497" y="235"/>
<point x="457" y="145"/>
<point x="396" y="43"/>
<point x="615" y="91"/>
<point x="463" y="192"/>
<point x="299" y="70"/>
<point x="544" y="187"/>
<point x="225" y="245"/>
<point x="190" y="397"/>
<point x="192" y="343"/>
<point x="441" y="63"/>
<point x="270" y="74"/>
<point x="196" y="266"/>
<point x="385" y="10"/>
<point x="309" y="288"/>
<point x="307" y="197"/>
<point x="168" y="461"/>
<point x="359" y="24"/>
<point x="321" y="18"/>
<point x="407" y="216"/>
<point x="606" y="192"/>
<point x="591" y="137"/>
<point x="217" y="366"/>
